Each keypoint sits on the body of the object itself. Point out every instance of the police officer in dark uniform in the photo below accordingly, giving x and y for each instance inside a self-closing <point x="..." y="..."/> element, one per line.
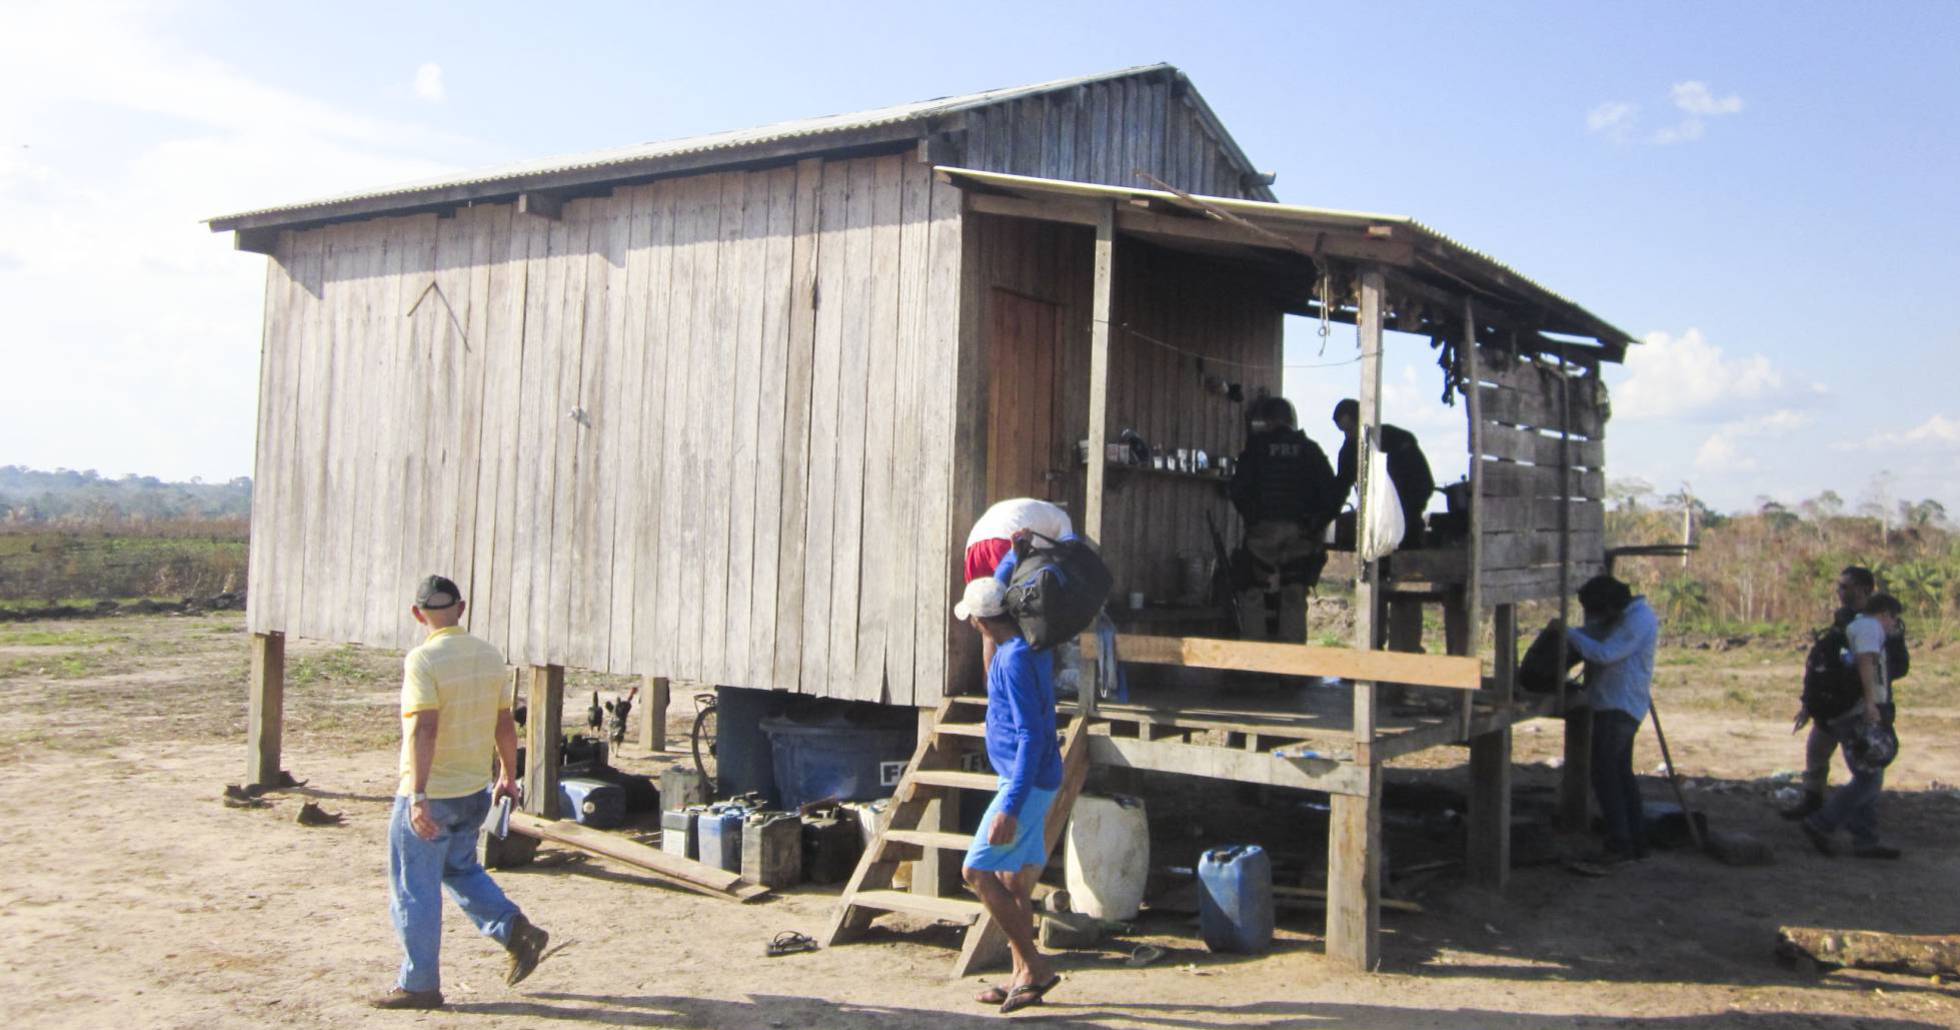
<point x="1408" y="469"/>
<point x="1284" y="489"/>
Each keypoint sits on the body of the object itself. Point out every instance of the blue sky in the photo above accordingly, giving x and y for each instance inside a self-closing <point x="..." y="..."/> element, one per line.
<point x="1763" y="191"/>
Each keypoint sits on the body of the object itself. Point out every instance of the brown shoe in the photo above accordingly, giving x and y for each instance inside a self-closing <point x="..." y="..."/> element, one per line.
<point x="526" y="949"/>
<point x="401" y="999"/>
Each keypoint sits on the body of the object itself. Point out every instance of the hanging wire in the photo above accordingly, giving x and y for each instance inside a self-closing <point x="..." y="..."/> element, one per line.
<point x="1254" y="366"/>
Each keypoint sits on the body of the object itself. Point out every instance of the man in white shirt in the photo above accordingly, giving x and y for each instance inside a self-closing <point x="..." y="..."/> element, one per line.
<point x="1854" y="807"/>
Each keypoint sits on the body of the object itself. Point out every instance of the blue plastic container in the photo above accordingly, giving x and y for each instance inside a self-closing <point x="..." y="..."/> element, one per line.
<point x="1235" y="898"/>
<point x="837" y="760"/>
<point x="589" y="802"/>
<point x="719" y="833"/>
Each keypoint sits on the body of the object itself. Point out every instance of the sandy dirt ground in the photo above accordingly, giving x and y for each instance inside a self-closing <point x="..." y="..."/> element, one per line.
<point x="129" y="896"/>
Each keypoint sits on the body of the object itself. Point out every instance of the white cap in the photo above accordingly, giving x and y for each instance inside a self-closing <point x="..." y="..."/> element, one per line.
<point x="985" y="597"/>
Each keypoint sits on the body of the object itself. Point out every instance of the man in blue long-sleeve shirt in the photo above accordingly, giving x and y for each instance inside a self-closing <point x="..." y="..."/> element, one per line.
<point x="1617" y="643"/>
<point x="1007" y="853"/>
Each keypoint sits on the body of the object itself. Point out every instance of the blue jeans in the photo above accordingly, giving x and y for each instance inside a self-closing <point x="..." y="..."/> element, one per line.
<point x="1613" y="783"/>
<point x="417" y="867"/>
<point x="1854" y="806"/>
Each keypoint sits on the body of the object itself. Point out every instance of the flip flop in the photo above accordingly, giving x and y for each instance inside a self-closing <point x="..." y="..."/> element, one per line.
<point x="789" y="942"/>
<point x="1143" y="955"/>
<point x="1028" y="995"/>
<point x="992" y="994"/>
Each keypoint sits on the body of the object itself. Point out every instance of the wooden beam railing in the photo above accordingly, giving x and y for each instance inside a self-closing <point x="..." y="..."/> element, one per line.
<point x="1419" y="670"/>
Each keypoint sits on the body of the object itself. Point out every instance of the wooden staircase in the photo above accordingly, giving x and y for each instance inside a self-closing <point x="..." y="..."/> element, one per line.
<point x="934" y="774"/>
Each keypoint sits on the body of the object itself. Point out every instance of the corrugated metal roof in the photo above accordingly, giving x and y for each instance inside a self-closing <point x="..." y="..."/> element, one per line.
<point x="642" y="152"/>
<point x="1257" y="210"/>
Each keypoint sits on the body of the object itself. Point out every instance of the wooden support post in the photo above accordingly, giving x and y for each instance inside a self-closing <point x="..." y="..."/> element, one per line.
<point x="1100" y="305"/>
<point x="655" y="694"/>
<point x="1355" y="825"/>
<point x="543" y="737"/>
<point x="936" y="873"/>
<point x="1472" y="599"/>
<point x="1489" y="844"/>
<point x="1575" y="777"/>
<point x="1099" y="311"/>
<point x="266" y="718"/>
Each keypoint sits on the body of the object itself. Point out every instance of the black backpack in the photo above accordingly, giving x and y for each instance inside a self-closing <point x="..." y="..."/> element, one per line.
<point x="1056" y="592"/>
<point x="1830" y="687"/>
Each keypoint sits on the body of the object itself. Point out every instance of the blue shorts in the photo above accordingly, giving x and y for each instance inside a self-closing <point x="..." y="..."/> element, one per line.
<point x="1029" y="846"/>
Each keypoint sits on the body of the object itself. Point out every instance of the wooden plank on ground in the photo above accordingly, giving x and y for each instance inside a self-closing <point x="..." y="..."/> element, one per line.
<point x="685" y="872"/>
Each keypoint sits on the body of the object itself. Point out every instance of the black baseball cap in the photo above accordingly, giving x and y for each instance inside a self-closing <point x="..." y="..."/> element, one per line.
<point x="437" y="592"/>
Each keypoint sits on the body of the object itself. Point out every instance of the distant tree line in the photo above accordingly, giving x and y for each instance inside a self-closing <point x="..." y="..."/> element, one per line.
<point x="1770" y="570"/>
<point x="31" y="497"/>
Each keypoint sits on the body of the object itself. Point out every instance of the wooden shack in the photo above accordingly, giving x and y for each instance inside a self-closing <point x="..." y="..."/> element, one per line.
<point x="722" y="409"/>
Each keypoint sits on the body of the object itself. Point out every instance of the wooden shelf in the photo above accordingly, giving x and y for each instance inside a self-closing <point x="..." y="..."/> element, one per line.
<point x="1208" y="476"/>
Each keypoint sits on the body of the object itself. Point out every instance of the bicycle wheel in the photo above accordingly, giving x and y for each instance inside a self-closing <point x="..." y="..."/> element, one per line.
<point x="701" y="741"/>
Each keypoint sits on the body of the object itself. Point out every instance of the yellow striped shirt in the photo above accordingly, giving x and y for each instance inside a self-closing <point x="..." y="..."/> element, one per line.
<point x="462" y="679"/>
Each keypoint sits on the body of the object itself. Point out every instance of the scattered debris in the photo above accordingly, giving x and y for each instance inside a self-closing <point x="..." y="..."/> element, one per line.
<point x="1926" y="955"/>
<point x="311" y="814"/>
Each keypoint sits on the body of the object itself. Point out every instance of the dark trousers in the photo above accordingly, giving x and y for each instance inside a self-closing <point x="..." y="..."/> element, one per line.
<point x="1613" y="783"/>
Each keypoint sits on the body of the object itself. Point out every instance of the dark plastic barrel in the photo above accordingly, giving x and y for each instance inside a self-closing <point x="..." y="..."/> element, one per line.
<point x="1235" y="898"/>
<point x="837" y="760"/>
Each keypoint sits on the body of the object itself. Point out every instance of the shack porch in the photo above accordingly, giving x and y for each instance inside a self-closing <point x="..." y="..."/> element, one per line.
<point x="1170" y="309"/>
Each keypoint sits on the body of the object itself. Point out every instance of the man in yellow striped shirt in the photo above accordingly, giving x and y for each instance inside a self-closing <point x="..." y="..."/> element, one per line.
<point x="456" y="713"/>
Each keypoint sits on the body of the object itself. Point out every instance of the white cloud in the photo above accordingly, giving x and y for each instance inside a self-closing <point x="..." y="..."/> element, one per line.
<point x="1696" y="99"/>
<point x="1937" y="433"/>
<point x="1728" y="448"/>
<point x="1618" y="120"/>
<point x="1685" y="376"/>
<point x="1614" y="119"/>
<point x="120" y="304"/>
<point x="428" y="83"/>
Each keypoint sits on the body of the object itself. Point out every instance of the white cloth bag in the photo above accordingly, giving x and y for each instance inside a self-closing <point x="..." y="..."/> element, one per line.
<point x="1384" y="528"/>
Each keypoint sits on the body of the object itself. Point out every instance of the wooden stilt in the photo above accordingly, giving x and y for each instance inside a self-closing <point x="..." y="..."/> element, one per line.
<point x="1489" y="844"/>
<point x="1575" y="777"/>
<point x="655" y="695"/>
<point x="265" y="720"/>
<point x="543" y="738"/>
<point x="1355" y="826"/>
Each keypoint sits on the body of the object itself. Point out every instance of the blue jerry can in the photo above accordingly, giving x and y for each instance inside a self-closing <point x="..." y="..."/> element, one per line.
<point x="720" y="836"/>
<point x="1235" y="898"/>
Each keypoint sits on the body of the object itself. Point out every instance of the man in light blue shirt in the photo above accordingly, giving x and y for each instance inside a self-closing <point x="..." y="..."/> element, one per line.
<point x="1617" y="643"/>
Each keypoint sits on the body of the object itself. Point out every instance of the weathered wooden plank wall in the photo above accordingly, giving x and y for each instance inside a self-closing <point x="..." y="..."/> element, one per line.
<point x="1523" y="480"/>
<point x="1106" y="132"/>
<point x="700" y="428"/>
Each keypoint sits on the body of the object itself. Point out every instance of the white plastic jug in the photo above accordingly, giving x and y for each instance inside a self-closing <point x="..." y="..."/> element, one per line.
<point x="1108" y="856"/>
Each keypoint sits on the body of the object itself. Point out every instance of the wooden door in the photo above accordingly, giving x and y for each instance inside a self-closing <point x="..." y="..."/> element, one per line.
<point x="1026" y="451"/>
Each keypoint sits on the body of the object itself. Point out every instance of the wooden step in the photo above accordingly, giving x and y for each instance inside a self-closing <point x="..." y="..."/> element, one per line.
<point x="954" y="910"/>
<point x="956" y="779"/>
<point x="962" y="729"/>
<point x="974" y="700"/>
<point x="931" y="839"/>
